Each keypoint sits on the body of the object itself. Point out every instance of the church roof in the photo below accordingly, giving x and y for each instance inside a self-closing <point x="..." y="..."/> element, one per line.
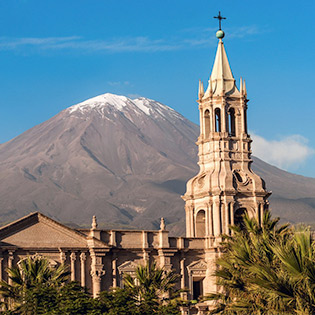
<point x="37" y="230"/>
<point x="221" y="80"/>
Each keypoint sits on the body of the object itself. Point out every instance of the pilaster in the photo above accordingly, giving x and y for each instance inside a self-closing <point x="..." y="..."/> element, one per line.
<point x="211" y="255"/>
<point x="73" y="258"/>
<point x="165" y="256"/>
<point x="1" y="268"/>
<point x="10" y="263"/>
<point x="82" y="264"/>
<point x="62" y="256"/>
<point x="97" y="271"/>
<point x="114" y="271"/>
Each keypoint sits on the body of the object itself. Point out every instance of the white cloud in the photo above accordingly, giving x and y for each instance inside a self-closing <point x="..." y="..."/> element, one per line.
<point x="246" y="31"/>
<point x="188" y="39"/>
<point x="287" y="153"/>
<point x="133" y="44"/>
<point x="44" y="43"/>
<point x="134" y="96"/>
<point x="118" y="83"/>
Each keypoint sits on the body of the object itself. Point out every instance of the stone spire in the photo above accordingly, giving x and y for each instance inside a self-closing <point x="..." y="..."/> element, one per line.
<point x="244" y="87"/>
<point x="200" y="90"/>
<point x="221" y="80"/>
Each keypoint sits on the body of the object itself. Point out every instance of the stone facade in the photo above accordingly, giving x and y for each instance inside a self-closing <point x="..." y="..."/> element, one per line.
<point x="216" y="197"/>
<point x="99" y="258"/>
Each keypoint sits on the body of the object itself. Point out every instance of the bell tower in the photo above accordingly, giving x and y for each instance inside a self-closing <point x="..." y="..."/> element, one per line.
<point x="225" y="186"/>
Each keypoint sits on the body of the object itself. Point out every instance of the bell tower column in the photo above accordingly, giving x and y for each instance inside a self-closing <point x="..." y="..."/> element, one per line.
<point x="225" y="187"/>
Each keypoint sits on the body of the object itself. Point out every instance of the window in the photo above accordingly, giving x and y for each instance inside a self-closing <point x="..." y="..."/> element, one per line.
<point x="207" y="123"/>
<point x="232" y="121"/>
<point x="245" y="120"/>
<point x="217" y="114"/>
<point x="239" y="217"/>
<point x="201" y="223"/>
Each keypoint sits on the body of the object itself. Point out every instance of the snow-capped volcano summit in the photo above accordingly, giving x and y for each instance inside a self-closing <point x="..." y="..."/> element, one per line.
<point x="102" y="103"/>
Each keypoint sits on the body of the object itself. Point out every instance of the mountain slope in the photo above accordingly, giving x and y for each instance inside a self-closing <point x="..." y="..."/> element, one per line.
<point x="127" y="161"/>
<point x="109" y="155"/>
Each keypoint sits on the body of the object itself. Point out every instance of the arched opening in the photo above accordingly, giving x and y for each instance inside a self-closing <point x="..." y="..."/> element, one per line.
<point x="207" y="123"/>
<point x="232" y="121"/>
<point x="239" y="217"/>
<point x="217" y="114"/>
<point x="245" y="120"/>
<point x="201" y="223"/>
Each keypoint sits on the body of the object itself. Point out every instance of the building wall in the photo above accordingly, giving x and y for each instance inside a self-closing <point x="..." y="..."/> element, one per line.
<point x="99" y="258"/>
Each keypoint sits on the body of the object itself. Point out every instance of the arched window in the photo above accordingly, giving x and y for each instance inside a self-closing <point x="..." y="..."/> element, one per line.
<point x="201" y="223"/>
<point x="239" y="217"/>
<point x="245" y="120"/>
<point x="207" y="123"/>
<point x="232" y="121"/>
<point x="217" y="114"/>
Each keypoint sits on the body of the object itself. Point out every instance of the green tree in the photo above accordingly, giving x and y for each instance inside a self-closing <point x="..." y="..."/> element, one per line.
<point x="38" y="288"/>
<point x="33" y="286"/>
<point x="154" y="290"/>
<point x="118" y="301"/>
<point x="248" y="262"/>
<point x="266" y="269"/>
<point x="73" y="299"/>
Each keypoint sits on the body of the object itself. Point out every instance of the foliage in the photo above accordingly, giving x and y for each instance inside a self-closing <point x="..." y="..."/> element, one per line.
<point x="266" y="269"/>
<point x="37" y="288"/>
<point x="154" y="290"/>
<point x="118" y="301"/>
<point x="73" y="299"/>
<point x="33" y="286"/>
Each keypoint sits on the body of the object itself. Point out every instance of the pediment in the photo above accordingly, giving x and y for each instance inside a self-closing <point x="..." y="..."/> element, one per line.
<point x="39" y="231"/>
<point x="128" y="267"/>
<point x="199" y="265"/>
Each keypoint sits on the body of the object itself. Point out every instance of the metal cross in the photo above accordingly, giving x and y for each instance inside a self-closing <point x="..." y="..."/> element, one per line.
<point x="219" y="17"/>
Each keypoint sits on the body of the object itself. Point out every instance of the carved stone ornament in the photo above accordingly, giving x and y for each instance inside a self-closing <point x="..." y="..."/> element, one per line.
<point x="128" y="267"/>
<point x="82" y="257"/>
<point x="242" y="178"/>
<point x="201" y="180"/>
<point x="197" y="267"/>
<point x="97" y="273"/>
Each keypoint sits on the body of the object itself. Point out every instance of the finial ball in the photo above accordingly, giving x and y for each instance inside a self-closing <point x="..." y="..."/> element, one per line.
<point x="219" y="34"/>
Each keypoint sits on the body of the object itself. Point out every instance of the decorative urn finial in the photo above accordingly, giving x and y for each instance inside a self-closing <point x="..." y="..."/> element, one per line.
<point x="162" y="225"/>
<point x="94" y="223"/>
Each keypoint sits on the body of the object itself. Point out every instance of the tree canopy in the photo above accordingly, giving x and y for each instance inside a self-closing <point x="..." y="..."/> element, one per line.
<point x="37" y="288"/>
<point x="266" y="269"/>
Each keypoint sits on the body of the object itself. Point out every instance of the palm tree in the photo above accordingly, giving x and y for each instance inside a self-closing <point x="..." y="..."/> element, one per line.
<point x="32" y="279"/>
<point x="293" y="281"/>
<point x="250" y="272"/>
<point x="153" y="287"/>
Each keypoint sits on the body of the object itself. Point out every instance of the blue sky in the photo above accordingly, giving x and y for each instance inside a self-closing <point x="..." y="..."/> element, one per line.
<point x="54" y="54"/>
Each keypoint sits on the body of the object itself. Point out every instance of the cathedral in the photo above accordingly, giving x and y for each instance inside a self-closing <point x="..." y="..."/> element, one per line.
<point x="217" y="197"/>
